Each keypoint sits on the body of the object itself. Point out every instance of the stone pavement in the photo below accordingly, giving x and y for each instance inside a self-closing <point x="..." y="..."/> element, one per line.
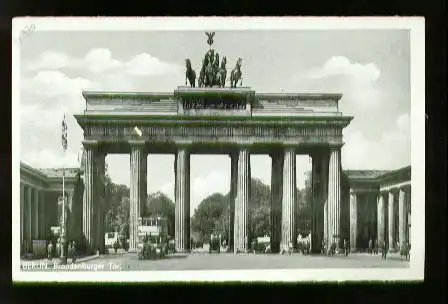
<point x="223" y="261"/>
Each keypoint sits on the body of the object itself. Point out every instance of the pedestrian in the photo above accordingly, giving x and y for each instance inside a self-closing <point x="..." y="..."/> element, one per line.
<point x="116" y="246"/>
<point x="370" y="246"/>
<point x="375" y="248"/>
<point x="384" y="250"/>
<point x="74" y="252"/>
<point x="345" y="247"/>
<point x="69" y="250"/>
<point x="50" y="250"/>
<point x="58" y="247"/>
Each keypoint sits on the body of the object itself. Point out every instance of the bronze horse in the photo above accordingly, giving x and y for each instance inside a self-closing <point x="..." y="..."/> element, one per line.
<point x="201" y="80"/>
<point x="190" y="74"/>
<point x="222" y="73"/>
<point x="236" y="74"/>
<point x="215" y="68"/>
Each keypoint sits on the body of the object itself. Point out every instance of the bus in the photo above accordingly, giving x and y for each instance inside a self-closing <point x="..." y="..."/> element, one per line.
<point x="110" y="238"/>
<point x="153" y="230"/>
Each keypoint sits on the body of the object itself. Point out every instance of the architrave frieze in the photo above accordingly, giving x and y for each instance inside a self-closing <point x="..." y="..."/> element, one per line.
<point x="31" y="182"/>
<point x="231" y="132"/>
<point x="32" y="179"/>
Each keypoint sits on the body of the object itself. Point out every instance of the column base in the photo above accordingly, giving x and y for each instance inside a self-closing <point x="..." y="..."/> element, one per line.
<point x="315" y="250"/>
<point x="353" y="250"/>
<point x="286" y="250"/>
<point x="275" y="248"/>
<point x="183" y="251"/>
<point x="132" y="250"/>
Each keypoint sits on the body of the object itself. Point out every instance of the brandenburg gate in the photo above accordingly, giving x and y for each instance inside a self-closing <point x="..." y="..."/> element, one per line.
<point x="233" y="121"/>
<point x="214" y="119"/>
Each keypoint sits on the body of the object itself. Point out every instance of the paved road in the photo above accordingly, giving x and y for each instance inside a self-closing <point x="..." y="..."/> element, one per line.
<point x="205" y="261"/>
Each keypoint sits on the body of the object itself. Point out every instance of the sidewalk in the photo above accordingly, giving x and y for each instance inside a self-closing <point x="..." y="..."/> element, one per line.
<point x="56" y="261"/>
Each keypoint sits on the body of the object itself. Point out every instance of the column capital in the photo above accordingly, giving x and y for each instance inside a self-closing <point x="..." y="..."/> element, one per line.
<point x="137" y="143"/>
<point x="90" y="144"/>
<point x="335" y="147"/>
<point x="244" y="146"/>
<point x="278" y="152"/>
<point x="289" y="149"/>
<point x="233" y="153"/>
<point x="183" y="147"/>
<point x="184" y="143"/>
<point x="321" y="153"/>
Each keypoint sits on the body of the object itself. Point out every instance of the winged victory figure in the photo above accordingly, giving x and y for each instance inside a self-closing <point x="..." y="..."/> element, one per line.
<point x="210" y="37"/>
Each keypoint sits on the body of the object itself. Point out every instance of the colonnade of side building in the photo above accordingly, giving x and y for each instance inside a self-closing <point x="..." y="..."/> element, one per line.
<point x="40" y="192"/>
<point x="392" y="205"/>
<point x="32" y="215"/>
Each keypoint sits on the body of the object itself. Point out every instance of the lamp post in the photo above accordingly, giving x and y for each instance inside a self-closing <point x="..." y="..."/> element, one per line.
<point x="63" y="228"/>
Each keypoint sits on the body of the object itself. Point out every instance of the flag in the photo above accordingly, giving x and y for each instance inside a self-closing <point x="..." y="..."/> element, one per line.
<point x="138" y="131"/>
<point x="64" y="134"/>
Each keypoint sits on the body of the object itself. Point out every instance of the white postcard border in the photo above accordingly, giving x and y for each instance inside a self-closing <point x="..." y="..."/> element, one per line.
<point x="416" y="25"/>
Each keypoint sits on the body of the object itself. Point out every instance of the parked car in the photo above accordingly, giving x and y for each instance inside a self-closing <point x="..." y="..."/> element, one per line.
<point x="215" y="244"/>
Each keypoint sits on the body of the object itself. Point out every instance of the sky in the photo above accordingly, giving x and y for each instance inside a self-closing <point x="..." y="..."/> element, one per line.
<point x="371" y="68"/>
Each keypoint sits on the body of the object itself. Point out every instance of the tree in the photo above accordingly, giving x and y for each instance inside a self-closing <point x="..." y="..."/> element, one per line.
<point x="259" y="209"/>
<point x="260" y="221"/>
<point x="122" y="217"/>
<point x="212" y="214"/>
<point x="115" y="207"/>
<point x="303" y="205"/>
<point x="113" y="200"/>
<point x="211" y="211"/>
<point x="159" y="204"/>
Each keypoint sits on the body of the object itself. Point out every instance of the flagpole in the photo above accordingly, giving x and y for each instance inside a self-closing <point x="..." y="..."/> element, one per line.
<point x="63" y="232"/>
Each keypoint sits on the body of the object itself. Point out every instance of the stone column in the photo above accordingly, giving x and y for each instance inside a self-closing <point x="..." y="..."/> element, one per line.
<point x="288" y="200"/>
<point x="241" y="226"/>
<point x="380" y="219"/>
<point x="42" y="217"/>
<point x="36" y="214"/>
<point x="408" y="220"/>
<point x="334" y="197"/>
<point x="402" y="214"/>
<point x="353" y="219"/>
<point x="27" y="219"/>
<point x="391" y="220"/>
<point x="22" y="207"/>
<point x="182" y="208"/>
<point x="276" y="200"/>
<point x="233" y="189"/>
<point x="315" y="191"/>
<point x="30" y="219"/>
<point x="319" y="198"/>
<point x="137" y="190"/>
<point x="100" y="193"/>
<point x="324" y="167"/>
<point x="90" y="150"/>
<point x="32" y="214"/>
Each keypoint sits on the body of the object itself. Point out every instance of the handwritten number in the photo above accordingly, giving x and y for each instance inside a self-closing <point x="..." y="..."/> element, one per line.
<point x="27" y="32"/>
